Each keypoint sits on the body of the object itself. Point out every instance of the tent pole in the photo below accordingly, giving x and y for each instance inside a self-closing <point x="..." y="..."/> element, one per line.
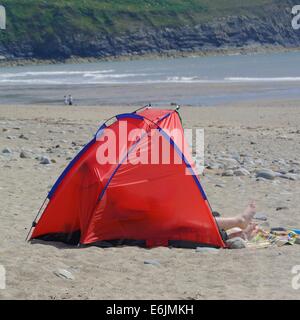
<point x="146" y="106"/>
<point x="34" y="221"/>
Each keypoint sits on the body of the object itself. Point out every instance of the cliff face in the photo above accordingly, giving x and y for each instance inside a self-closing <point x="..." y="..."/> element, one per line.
<point x="269" y="24"/>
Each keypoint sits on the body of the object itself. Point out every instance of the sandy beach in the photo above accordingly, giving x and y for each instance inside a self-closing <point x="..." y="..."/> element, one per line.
<point x="256" y="135"/>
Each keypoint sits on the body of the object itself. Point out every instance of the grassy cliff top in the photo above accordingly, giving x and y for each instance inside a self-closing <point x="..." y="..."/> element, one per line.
<point x="36" y="18"/>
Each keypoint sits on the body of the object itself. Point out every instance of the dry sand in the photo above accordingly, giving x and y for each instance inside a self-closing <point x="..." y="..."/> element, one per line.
<point x="267" y="134"/>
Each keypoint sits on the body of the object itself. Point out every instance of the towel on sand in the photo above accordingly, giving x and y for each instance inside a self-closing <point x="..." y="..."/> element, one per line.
<point x="264" y="239"/>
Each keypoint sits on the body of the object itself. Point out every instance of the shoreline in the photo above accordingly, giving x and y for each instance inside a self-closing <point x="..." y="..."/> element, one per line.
<point x="246" y="50"/>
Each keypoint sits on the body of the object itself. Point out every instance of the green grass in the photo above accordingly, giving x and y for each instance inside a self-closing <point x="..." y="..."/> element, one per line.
<point x="36" y="19"/>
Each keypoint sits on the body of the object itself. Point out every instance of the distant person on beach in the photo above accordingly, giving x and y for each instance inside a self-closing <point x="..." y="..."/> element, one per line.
<point x="66" y="100"/>
<point x="241" y="225"/>
<point x="70" y="100"/>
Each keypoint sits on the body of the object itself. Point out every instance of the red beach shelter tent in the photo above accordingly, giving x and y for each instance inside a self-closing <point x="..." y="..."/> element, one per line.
<point x="136" y="199"/>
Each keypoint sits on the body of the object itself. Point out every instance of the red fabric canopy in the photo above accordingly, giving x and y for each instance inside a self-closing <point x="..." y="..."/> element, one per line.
<point x="138" y="196"/>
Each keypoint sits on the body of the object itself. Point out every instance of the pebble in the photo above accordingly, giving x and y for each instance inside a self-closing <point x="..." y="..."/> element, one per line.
<point x="229" y="163"/>
<point x="6" y="151"/>
<point x="45" y="160"/>
<point x="152" y="262"/>
<point x="261" y="179"/>
<point x="64" y="274"/>
<point x="248" y="161"/>
<point x="214" y="166"/>
<point x="260" y="216"/>
<point x="241" y="172"/>
<point x="220" y="185"/>
<point x="266" y="174"/>
<point x="281" y="208"/>
<point x="23" y="137"/>
<point x="207" y="249"/>
<point x="290" y="176"/>
<point x="24" y="155"/>
<point x="228" y="173"/>
<point x="236" y="156"/>
<point x="236" y="243"/>
<point x="294" y="170"/>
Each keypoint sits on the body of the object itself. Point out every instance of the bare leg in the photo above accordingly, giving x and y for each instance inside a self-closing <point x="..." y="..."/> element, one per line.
<point x="240" y="221"/>
<point x="228" y="223"/>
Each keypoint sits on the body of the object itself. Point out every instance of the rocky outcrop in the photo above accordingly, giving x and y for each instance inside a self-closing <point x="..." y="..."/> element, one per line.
<point x="271" y="27"/>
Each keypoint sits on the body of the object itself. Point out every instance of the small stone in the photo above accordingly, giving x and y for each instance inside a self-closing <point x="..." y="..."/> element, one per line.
<point x="214" y="166"/>
<point x="281" y="208"/>
<point x="152" y="262"/>
<point x="294" y="170"/>
<point x="266" y="174"/>
<point x="248" y="161"/>
<point x="23" y="137"/>
<point x="6" y="151"/>
<point x="64" y="274"/>
<point x="236" y="243"/>
<point x="53" y="160"/>
<point x="236" y="156"/>
<point x="45" y="160"/>
<point x="261" y="179"/>
<point x="229" y="163"/>
<point x="207" y="249"/>
<point x="260" y="216"/>
<point x="241" y="172"/>
<point x="228" y="173"/>
<point x="290" y="176"/>
<point x="24" y="155"/>
<point x="220" y="185"/>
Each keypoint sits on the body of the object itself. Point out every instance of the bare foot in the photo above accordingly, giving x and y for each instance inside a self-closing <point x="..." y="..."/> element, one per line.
<point x="246" y="217"/>
<point x="251" y="231"/>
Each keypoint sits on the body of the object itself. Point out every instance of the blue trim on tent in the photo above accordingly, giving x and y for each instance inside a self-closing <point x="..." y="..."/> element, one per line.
<point x="69" y="167"/>
<point x="129" y="115"/>
<point x="124" y="158"/>
<point x="173" y="144"/>
<point x="164" y="117"/>
<point x="72" y="163"/>
<point x="86" y="147"/>
<point x="119" y="165"/>
<point x="188" y="165"/>
<point x="100" y="131"/>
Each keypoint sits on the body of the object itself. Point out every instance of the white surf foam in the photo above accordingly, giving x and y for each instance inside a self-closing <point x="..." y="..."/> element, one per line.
<point x="267" y="79"/>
